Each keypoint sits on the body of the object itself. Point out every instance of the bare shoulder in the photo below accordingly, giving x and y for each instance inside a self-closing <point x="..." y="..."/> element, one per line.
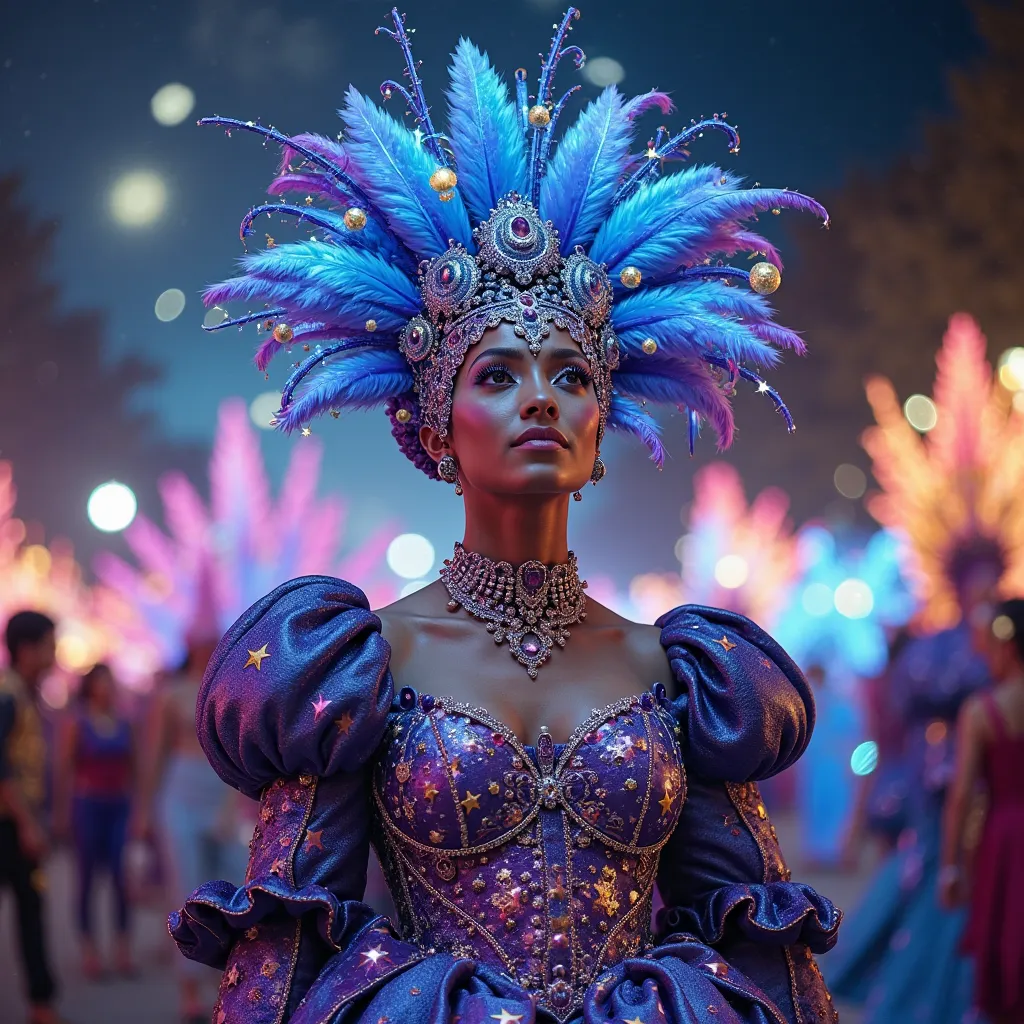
<point x="641" y="640"/>
<point x="404" y="620"/>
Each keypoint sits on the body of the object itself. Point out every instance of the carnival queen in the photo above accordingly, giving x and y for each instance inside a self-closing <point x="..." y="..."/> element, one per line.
<point x="508" y="300"/>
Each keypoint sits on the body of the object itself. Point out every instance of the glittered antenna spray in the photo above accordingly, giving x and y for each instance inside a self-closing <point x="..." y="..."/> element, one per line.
<point x="426" y="239"/>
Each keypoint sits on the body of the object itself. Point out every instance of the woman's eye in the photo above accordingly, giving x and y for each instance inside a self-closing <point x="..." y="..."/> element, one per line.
<point x="499" y="376"/>
<point x="575" y="376"/>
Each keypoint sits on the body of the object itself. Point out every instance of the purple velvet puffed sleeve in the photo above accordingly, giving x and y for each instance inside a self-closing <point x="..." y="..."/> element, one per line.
<point x="744" y="708"/>
<point x="293" y="706"/>
<point x="745" y="712"/>
<point x="298" y="685"/>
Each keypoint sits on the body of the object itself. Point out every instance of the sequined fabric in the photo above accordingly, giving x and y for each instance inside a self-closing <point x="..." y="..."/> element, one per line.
<point x="540" y="862"/>
<point x="523" y="875"/>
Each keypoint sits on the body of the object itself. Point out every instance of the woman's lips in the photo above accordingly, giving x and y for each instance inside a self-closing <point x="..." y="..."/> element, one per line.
<point x="541" y="439"/>
<point x="541" y="444"/>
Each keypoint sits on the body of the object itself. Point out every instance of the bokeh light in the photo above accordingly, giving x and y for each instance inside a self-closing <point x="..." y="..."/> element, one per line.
<point x="214" y="316"/>
<point x="603" y="71"/>
<point x="410" y="556"/>
<point x="112" y="507"/>
<point x="1003" y="627"/>
<point x="138" y="198"/>
<point x="853" y="599"/>
<point x="172" y="103"/>
<point x="731" y="571"/>
<point x="412" y="586"/>
<point x="864" y="759"/>
<point x="920" y="412"/>
<point x="169" y="304"/>
<point x="817" y="599"/>
<point x="263" y="408"/>
<point x="850" y="481"/>
<point x="1011" y="369"/>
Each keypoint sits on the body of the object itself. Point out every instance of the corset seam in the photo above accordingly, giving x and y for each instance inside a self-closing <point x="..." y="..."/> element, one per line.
<point x="450" y="775"/>
<point x="644" y="900"/>
<point x="650" y="777"/>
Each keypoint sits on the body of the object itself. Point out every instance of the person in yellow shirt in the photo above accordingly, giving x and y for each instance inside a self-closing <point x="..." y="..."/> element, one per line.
<point x="23" y="840"/>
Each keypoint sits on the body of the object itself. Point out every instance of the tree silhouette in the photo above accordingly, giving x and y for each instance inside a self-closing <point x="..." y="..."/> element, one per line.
<point x="66" y="418"/>
<point x="933" y="236"/>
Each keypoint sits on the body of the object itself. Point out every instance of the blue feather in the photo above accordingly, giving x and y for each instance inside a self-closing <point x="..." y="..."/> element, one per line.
<point x="682" y="319"/>
<point x="331" y="283"/>
<point x="386" y="161"/>
<point x="579" y="187"/>
<point x="629" y="417"/>
<point x="680" y="220"/>
<point x="359" y="381"/>
<point x="484" y="132"/>
<point x="682" y="383"/>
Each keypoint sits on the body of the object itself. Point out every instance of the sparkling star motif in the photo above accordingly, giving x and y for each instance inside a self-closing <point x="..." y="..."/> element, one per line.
<point x="319" y="706"/>
<point x="344" y="723"/>
<point x="256" y="657"/>
<point x="418" y="135"/>
<point x="430" y="792"/>
<point x="371" y="956"/>
<point x="726" y="643"/>
<point x="471" y="803"/>
<point x="507" y="1018"/>
<point x="233" y="976"/>
<point x="719" y="970"/>
<point x="665" y="803"/>
<point x="306" y="432"/>
<point x="314" y="840"/>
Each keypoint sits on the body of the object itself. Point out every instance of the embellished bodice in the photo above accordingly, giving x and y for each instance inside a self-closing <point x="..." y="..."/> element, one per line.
<point x="540" y="861"/>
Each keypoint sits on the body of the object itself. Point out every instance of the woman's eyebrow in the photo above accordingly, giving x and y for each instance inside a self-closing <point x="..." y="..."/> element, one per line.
<point x="498" y="353"/>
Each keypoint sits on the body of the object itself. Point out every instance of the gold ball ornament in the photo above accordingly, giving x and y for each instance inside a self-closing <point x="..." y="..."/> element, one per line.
<point x="355" y="219"/>
<point x="371" y="326"/>
<point x="444" y="179"/>
<point x="765" y="278"/>
<point x="283" y="333"/>
<point x="539" y="116"/>
<point x="630" y="277"/>
<point x="403" y="415"/>
<point x="650" y="346"/>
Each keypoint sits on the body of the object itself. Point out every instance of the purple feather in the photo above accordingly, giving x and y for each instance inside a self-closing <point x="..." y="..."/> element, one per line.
<point x="483" y="128"/>
<point x="639" y="105"/>
<point x="394" y="170"/>
<point x="360" y="381"/>
<point x="630" y="417"/>
<point x="579" y="187"/>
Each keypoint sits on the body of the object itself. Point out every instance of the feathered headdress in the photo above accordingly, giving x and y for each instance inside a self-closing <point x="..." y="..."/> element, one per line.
<point x="425" y="239"/>
<point x="956" y="494"/>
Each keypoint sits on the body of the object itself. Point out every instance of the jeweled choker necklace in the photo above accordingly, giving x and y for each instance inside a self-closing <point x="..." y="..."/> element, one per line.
<point x="530" y="607"/>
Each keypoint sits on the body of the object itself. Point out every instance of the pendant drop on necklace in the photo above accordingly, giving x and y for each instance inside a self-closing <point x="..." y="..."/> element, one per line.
<point x="529" y="608"/>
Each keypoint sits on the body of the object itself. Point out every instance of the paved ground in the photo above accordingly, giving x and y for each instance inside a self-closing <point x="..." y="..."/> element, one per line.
<point x="152" y="999"/>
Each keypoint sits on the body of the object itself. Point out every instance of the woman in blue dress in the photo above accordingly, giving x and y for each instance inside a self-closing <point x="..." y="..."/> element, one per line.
<point x="508" y="306"/>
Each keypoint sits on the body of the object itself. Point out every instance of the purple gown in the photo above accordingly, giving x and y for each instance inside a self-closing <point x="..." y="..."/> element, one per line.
<point x="523" y="876"/>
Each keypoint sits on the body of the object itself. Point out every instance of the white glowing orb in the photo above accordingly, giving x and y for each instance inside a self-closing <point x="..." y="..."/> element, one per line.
<point x="138" y="198"/>
<point x="214" y="316"/>
<point x="263" y="408"/>
<point x="864" y="759"/>
<point x="817" y="599"/>
<point x="921" y="413"/>
<point x="854" y="599"/>
<point x="1011" y="369"/>
<point x="603" y="71"/>
<point x="412" y="586"/>
<point x="112" y="507"/>
<point x="731" y="571"/>
<point x="410" y="556"/>
<point x="172" y="103"/>
<point x="169" y="304"/>
<point x="850" y="481"/>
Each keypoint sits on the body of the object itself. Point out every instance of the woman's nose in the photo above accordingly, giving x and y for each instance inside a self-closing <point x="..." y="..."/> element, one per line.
<point x="540" y="398"/>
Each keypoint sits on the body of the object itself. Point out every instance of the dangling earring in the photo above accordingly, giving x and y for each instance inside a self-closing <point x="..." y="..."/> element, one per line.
<point x="576" y="496"/>
<point x="448" y="469"/>
<point x="458" y="486"/>
<point x="599" y="470"/>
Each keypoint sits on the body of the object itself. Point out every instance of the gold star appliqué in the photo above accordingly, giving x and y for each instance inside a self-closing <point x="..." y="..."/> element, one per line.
<point x="256" y="658"/>
<point x="727" y="644"/>
<point x="314" y="840"/>
<point x="665" y="803"/>
<point x="344" y="723"/>
<point x="471" y="803"/>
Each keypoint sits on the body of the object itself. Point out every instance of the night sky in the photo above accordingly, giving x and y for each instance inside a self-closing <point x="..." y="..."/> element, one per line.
<point x="819" y="91"/>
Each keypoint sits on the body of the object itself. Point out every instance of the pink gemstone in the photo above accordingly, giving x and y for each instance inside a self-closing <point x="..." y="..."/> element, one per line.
<point x="446" y="275"/>
<point x="415" y="335"/>
<point x="533" y="578"/>
<point x="520" y="227"/>
<point x="530" y="645"/>
<point x="526" y="299"/>
<point x="529" y="314"/>
<point x="497" y="739"/>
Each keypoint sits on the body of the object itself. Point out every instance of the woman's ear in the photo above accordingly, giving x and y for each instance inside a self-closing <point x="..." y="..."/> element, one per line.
<point x="432" y="443"/>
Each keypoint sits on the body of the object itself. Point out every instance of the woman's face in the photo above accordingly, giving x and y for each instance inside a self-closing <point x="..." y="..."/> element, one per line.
<point x="524" y="424"/>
